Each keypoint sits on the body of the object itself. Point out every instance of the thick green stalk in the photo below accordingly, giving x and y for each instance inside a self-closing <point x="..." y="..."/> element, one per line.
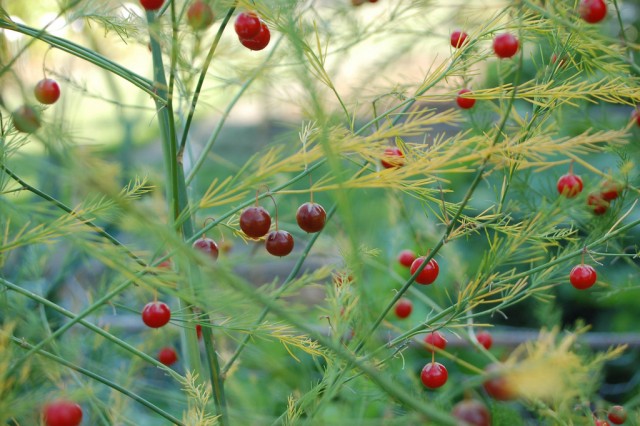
<point x="23" y="344"/>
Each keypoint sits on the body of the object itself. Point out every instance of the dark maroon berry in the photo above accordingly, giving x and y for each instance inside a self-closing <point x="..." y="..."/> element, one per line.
<point x="255" y="222"/>
<point x="311" y="217"/>
<point x="207" y="246"/>
<point x="279" y="243"/>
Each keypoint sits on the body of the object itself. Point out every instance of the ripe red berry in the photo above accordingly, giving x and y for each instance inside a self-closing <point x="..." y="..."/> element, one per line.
<point x="505" y="45"/>
<point x="635" y="116"/>
<point x="610" y="190"/>
<point x="47" y="91"/>
<point x="199" y="331"/>
<point x="583" y="276"/>
<point x="62" y="413"/>
<point x="428" y="274"/>
<point x="406" y="258"/>
<point x="200" y="16"/>
<point x="497" y="386"/>
<point x="569" y="185"/>
<point x="26" y="119"/>
<point x="465" y="103"/>
<point x="592" y="11"/>
<point x="472" y="413"/>
<point x="434" y="375"/>
<point x="403" y="308"/>
<point x="279" y="243"/>
<point x="311" y="217"/>
<point x="259" y="41"/>
<point x="156" y="314"/>
<point x="458" y="38"/>
<point x="485" y="339"/>
<point x="255" y="222"/>
<point x="392" y="157"/>
<point x="617" y="414"/>
<point x="435" y="339"/>
<point x="151" y="4"/>
<point x="247" y="25"/>
<point x="598" y="205"/>
<point x="167" y="356"/>
<point x="207" y="246"/>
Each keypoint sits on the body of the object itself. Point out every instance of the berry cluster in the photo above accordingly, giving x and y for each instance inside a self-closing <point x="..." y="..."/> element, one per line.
<point x="26" y="119"/>
<point x="570" y="185"/>
<point x="252" y="31"/>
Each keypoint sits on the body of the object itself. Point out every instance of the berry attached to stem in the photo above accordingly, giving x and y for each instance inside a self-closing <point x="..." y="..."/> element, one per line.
<point x="592" y="11"/>
<point x="406" y="258"/>
<point x="464" y="102"/>
<point x="485" y="339"/>
<point x="435" y="339"/>
<point x="62" y="413"/>
<point x="392" y="157"/>
<point x="207" y="246"/>
<point x="279" y="243"/>
<point x="200" y="16"/>
<point x="434" y="375"/>
<point x="472" y="412"/>
<point x="247" y="25"/>
<point x="505" y="45"/>
<point x="151" y="4"/>
<point x="26" y="119"/>
<point x="156" y="314"/>
<point x="458" y="39"/>
<point x="617" y="414"/>
<point x="259" y="41"/>
<point x="403" y="308"/>
<point x="311" y="217"/>
<point x="583" y="276"/>
<point x="428" y="274"/>
<point x="47" y="91"/>
<point x="569" y="185"/>
<point x="167" y="356"/>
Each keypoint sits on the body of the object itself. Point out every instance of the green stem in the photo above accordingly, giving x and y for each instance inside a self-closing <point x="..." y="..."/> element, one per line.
<point x="23" y="344"/>
<point x="203" y="75"/>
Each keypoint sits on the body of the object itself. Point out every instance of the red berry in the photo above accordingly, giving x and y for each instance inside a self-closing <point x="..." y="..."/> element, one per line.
<point x="167" y="356"/>
<point x="62" y="413"/>
<point x="151" y="4"/>
<point x="435" y="339"/>
<point x="156" y="314"/>
<point x="406" y="258"/>
<point x="563" y="62"/>
<point x="598" y="205"/>
<point x="207" y="246"/>
<point x="610" y="190"/>
<point x="505" y="45"/>
<point x="428" y="274"/>
<point x="472" y="413"/>
<point x="311" y="217"/>
<point x="617" y="414"/>
<point x="165" y="264"/>
<point x="458" y="38"/>
<point x="465" y="103"/>
<point x="485" y="339"/>
<point x="259" y="41"/>
<point x="635" y="115"/>
<point x="569" y="185"/>
<point x="497" y="387"/>
<point x="602" y="423"/>
<point x="392" y="157"/>
<point x="255" y="222"/>
<point x="434" y="375"/>
<point x="200" y="16"/>
<point x="26" y="119"/>
<point x="47" y="91"/>
<point x="592" y="11"/>
<point x="199" y="331"/>
<point x="403" y="308"/>
<point x="279" y="243"/>
<point x="583" y="276"/>
<point x="247" y="25"/>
